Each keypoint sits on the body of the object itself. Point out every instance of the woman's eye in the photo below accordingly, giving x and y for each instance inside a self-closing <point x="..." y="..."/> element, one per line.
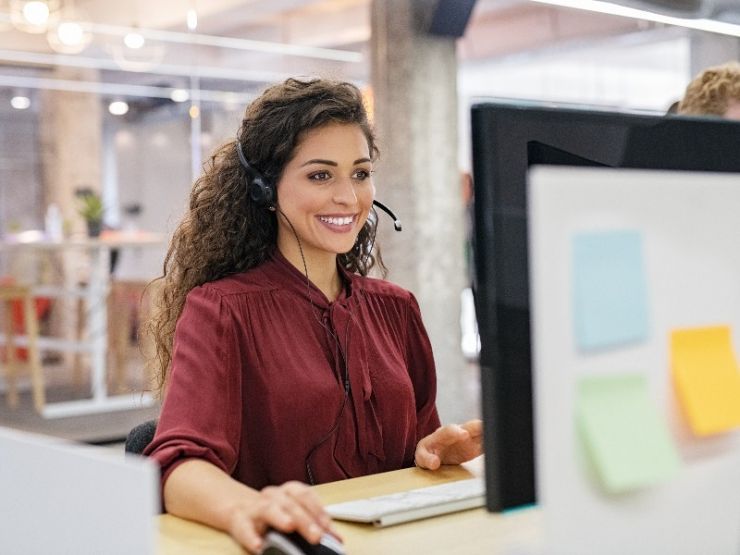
<point x="319" y="176"/>
<point x="361" y="175"/>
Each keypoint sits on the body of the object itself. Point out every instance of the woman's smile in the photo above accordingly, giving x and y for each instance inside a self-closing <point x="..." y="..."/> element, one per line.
<point x="339" y="223"/>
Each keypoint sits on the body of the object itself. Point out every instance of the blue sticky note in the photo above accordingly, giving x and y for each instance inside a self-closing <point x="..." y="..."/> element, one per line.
<point x="609" y="290"/>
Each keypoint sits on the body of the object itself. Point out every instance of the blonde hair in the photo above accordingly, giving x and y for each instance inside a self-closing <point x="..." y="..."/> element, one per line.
<point x="711" y="92"/>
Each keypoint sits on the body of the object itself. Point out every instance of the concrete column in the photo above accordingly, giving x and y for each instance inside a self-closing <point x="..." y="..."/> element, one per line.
<point x="414" y="81"/>
<point x="70" y="140"/>
<point x="709" y="49"/>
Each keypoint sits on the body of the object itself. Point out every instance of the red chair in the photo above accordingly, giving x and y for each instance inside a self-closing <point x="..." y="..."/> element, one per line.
<point x="18" y="305"/>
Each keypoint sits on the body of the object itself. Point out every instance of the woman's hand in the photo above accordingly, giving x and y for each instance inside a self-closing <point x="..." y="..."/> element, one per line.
<point x="451" y="444"/>
<point x="291" y="507"/>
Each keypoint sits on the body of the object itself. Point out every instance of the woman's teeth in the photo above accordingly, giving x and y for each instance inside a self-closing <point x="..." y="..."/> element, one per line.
<point x="337" y="221"/>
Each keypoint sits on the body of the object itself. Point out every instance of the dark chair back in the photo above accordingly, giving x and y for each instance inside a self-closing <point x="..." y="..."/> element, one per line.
<point x="140" y="436"/>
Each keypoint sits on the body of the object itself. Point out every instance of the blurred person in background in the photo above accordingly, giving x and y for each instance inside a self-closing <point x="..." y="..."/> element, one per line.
<point x="714" y="92"/>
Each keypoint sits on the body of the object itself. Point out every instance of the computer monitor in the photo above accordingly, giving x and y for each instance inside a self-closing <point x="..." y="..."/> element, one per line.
<point x="62" y="497"/>
<point x="507" y="139"/>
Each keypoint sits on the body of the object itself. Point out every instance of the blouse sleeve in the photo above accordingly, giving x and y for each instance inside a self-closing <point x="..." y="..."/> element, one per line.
<point x="422" y="371"/>
<point x="201" y="415"/>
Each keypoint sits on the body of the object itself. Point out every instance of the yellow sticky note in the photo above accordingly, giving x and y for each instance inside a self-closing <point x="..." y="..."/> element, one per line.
<point x="707" y="379"/>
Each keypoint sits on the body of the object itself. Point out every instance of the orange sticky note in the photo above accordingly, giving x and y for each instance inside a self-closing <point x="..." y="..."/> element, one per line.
<point x="707" y="378"/>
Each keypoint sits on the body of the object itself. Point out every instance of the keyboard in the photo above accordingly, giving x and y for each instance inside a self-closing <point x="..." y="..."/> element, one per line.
<point x="415" y="504"/>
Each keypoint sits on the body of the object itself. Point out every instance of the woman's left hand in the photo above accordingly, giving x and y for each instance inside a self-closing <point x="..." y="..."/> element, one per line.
<point x="451" y="444"/>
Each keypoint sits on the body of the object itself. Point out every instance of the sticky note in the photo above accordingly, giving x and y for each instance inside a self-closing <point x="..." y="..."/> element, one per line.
<point x="706" y="378"/>
<point x="609" y="289"/>
<point x="623" y="433"/>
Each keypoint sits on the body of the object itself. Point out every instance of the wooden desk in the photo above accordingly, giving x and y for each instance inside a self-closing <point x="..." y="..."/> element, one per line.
<point x="468" y="532"/>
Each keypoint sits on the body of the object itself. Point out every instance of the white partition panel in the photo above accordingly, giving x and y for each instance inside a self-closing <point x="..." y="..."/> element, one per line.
<point x="689" y="224"/>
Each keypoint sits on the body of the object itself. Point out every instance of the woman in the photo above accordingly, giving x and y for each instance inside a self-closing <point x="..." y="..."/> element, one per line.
<point x="283" y="363"/>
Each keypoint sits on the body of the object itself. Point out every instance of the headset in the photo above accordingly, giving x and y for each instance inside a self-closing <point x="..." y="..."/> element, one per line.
<point x="262" y="191"/>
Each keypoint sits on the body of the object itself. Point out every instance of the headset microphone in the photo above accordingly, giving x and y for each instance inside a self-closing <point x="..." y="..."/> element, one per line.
<point x="384" y="208"/>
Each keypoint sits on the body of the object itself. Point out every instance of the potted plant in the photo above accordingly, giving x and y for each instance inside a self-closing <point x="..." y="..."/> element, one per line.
<point x="91" y="209"/>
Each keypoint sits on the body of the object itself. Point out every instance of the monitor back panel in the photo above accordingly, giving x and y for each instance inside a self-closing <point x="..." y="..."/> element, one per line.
<point x="60" y="497"/>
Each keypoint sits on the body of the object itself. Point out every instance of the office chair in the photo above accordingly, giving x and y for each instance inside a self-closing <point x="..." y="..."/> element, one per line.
<point x="140" y="436"/>
<point x="8" y="295"/>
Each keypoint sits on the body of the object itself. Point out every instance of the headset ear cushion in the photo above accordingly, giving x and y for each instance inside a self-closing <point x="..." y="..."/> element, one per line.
<point x="261" y="191"/>
<point x="259" y="188"/>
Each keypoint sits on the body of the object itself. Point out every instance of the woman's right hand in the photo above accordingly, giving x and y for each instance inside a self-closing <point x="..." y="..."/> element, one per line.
<point x="200" y="491"/>
<point x="290" y="507"/>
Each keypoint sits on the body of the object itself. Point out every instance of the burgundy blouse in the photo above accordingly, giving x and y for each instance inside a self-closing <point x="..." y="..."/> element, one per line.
<point x="270" y="379"/>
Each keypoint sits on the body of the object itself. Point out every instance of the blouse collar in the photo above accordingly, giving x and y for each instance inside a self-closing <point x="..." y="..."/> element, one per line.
<point x="281" y="269"/>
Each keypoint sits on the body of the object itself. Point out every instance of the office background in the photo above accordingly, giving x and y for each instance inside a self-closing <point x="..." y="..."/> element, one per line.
<point x="185" y="69"/>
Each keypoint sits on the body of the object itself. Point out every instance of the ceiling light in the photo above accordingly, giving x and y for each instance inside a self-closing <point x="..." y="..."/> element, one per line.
<point x="194" y="112"/>
<point x="599" y="6"/>
<point x="20" y="102"/>
<point x="134" y="40"/>
<point x="118" y="107"/>
<point x="69" y="36"/>
<point x="179" y="95"/>
<point x="192" y="20"/>
<point x="69" y="32"/>
<point x="141" y="59"/>
<point x="36" y="13"/>
<point x="33" y="16"/>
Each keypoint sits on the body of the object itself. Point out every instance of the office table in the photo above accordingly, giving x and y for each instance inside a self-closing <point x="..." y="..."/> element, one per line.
<point x="470" y="532"/>
<point x="95" y="294"/>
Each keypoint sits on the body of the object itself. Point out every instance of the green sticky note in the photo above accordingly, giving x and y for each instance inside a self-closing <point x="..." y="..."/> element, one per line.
<point x="624" y="435"/>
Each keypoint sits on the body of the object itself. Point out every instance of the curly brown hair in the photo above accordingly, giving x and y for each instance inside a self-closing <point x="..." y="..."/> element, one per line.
<point x="711" y="92"/>
<point x="223" y="231"/>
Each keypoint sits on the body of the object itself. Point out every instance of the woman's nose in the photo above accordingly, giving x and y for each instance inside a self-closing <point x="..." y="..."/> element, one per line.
<point x="344" y="191"/>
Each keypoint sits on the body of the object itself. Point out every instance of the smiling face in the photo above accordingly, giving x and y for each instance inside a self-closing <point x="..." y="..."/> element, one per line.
<point x="326" y="191"/>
